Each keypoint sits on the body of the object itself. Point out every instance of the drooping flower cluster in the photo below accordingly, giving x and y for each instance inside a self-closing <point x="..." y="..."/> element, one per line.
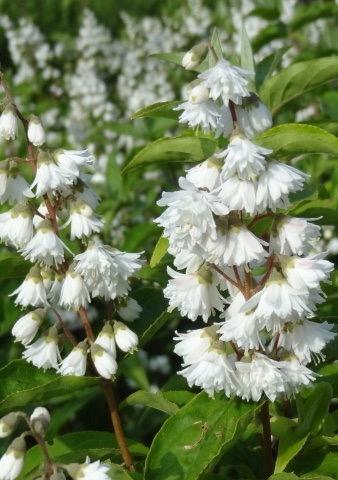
<point x="260" y="291"/>
<point x="12" y="461"/>
<point x="60" y="199"/>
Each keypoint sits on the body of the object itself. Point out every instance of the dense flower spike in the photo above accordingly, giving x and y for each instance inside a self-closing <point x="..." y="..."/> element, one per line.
<point x="265" y="341"/>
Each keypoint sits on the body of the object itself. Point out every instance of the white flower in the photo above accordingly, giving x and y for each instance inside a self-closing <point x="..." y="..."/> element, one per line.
<point x="227" y="81"/>
<point x="193" y="294"/>
<point x="104" y="361"/>
<point x="8" y="424"/>
<point x="70" y="162"/>
<point x="86" y="194"/>
<point x="294" y="236"/>
<point x="3" y="179"/>
<point x="89" y="471"/>
<point x="205" y="174"/>
<point x="258" y="376"/>
<point x="198" y="93"/>
<point x="74" y="293"/>
<point x="243" y="158"/>
<point x="8" y="124"/>
<point x="13" y="187"/>
<point x="76" y="361"/>
<point x="55" y="289"/>
<point x="193" y="57"/>
<point x="16" y="225"/>
<point x="237" y="246"/>
<point x="206" y="115"/>
<point x="106" y="339"/>
<point x="48" y="175"/>
<point x="192" y="345"/>
<point x="11" y="463"/>
<point x="242" y="328"/>
<point x="189" y="261"/>
<point x="125" y="339"/>
<point x="25" y="329"/>
<point x="43" y="210"/>
<point x="189" y="220"/>
<point x="306" y="273"/>
<point x="130" y="311"/>
<point x="277" y="302"/>
<point x="44" y="352"/>
<point x="275" y="184"/>
<point x="253" y="117"/>
<point x="213" y="372"/>
<point x="306" y="339"/>
<point x="31" y="291"/>
<point x="295" y="375"/>
<point x="36" y="134"/>
<point x="45" y="246"/>
<point x="127" y="265"/>
<point x="239" y="194"/>
<point x="83" y="222"/>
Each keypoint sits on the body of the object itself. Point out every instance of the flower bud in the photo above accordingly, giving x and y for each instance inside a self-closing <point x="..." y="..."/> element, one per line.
<point x="8" y="424"/>
<point x="106" y="339"/>
<point x="36" y="134"/>
<point x="194" y="56"/>
<point x="8" y="124"/>
<point x="126" y="339"/>
<point x="25" y="329"/>
<point x="11" y="462"/>
<point x="199" y="94"/>
<point x="40" y="420"/>
<point x="104" y="362"/>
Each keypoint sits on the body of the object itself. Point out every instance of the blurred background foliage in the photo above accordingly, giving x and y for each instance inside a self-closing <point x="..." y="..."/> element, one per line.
<point x="86" y="67"/>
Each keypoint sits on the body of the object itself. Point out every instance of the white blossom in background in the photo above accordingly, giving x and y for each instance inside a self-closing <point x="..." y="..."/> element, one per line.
<point x="260" y="338"/>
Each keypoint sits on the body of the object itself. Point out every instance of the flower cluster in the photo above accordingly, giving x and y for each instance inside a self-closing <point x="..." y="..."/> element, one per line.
<point x="12" y="462"/>
<point x="262" y="343"/>
<point x="60" y="199"/>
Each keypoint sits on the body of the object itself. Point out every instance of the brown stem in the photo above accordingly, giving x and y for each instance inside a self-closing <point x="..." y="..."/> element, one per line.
<point x="66" y="331"/>
<point x="233" y="111"/>
<point x="225" y="276"/>
<point x="266" y="440"/>
<point x="107" y="388"/>
<point x="270" y="266"/>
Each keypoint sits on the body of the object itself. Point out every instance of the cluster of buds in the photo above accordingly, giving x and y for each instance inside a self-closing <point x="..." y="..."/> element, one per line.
<point x="60" y="199"/>
<point x="262" y="343"/>
<point x="12" y="462"/>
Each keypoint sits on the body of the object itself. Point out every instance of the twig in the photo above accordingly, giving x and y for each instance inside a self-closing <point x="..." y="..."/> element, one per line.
<point x="266" y="440"/>
<point x="66" y="331"/>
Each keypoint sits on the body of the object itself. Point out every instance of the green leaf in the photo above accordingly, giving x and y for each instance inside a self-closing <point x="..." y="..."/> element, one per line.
<point x="152" y="400"/>
<point x="329" y="373"/>
<point x="23" y="384"/>
<point x="316" y="407"/>
<point x="173" y="150"/>
<point x="289" y="443"/>
<point x="194" y="438"/>
<point x="132" y="367"/>
<point x="116" y="472"/>
<point x="74" y="447"/>
<point x="160" y="250"/>
<point x="247" y="58"/>
<point x="296" y="80"/>
<point x="12" y="266"/>
<point x="283" y="476"/>
<point x="171" y="57"/>
<point x="292" y="138"/>
<point x="160" y="109"/>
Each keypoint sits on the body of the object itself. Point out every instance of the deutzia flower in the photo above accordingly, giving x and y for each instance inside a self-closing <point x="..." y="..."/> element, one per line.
<point x="104" y="361"/>
<point x="227" y="81"/>
<point x="25" y="329"/>
<point x="193" y="294"/>
<point x="8" y="124"/>
<point x="127" y="265"/>
<point x="4" y="165"/>
<point x="214" y="372"/>
<point x="238" y="194"/>
<point x="125" y="339"/>
<point x="258" y="376"/>
<point x="306" y="339"/>
<point x="35" y="132"/>
<point x="106" y="339"/>
<point x="130" y="310"/>
<point x="243" y="158"/>
<point x="74" y="293"/>
<point x="55" y="289"/>
<point x="275" y="184"/>
<point x="13" y="187"/>
<point x="238" y="246"/>
<point x="89" y="471"/>
<point x="32" y="290"/>
<point x="48" y="176"/>
<point x="82" y="220"/>
<point x="308" y="272"/>
<point x="45" y="246"/>
<point x="192" y="345"/>
<point x="205" y="174"/>
<point x="295" y="375"/>
<point x="253" y="117"/>
<point x="277" y="302"/>
<point x="8" y="424"/>
<point x="242" y="328"/>
<point x="189" y="220"/>
<point x="44" y="352"/>
<point x="16" y="225"/>
<point x="11" y="463"/>
<point x="76" y="361"/>
<point x="294" y="236"/>
<point x="70" y="162"/>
